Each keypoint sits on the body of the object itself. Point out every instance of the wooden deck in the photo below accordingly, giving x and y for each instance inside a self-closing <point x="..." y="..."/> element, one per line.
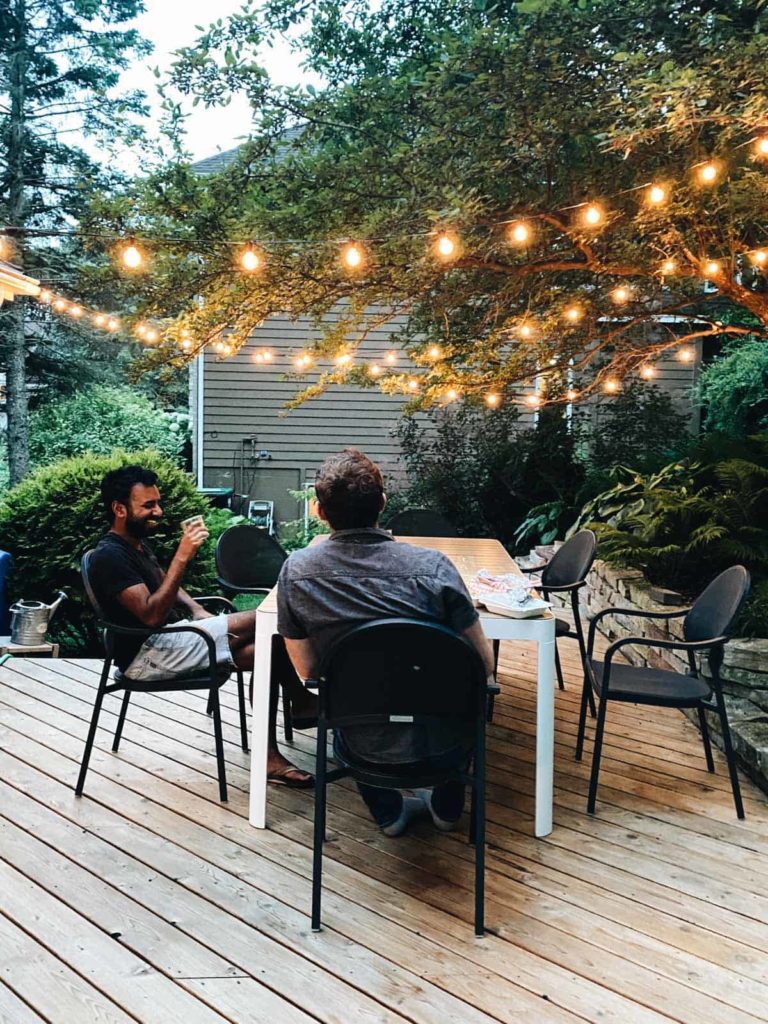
<point x="147" y="900"/>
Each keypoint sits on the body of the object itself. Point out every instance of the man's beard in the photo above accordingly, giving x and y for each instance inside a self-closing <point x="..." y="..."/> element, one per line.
<point x="140" y="528"/>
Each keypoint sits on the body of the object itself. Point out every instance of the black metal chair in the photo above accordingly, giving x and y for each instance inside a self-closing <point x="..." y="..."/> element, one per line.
<point x="248" y="561"/>
<point x="402" y="674"/>
<point x="211" y="679"/>
<point x="705" y="628"/>
<point x="421" y="522"/>
<point x="566" y="573"/>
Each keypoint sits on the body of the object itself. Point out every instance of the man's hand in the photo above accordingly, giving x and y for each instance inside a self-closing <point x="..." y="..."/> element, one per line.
<point x="191" y="542"/>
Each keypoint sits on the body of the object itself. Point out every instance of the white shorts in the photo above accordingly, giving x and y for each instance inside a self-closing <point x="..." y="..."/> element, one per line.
<point x="181" y="654"/>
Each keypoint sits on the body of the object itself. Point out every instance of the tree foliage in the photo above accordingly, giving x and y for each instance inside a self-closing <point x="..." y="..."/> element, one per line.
<point x="466" y="117"/>
<point x="734" y="390"/>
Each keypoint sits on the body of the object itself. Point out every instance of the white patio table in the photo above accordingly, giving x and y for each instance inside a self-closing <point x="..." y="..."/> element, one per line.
<point x="468" y="555"/>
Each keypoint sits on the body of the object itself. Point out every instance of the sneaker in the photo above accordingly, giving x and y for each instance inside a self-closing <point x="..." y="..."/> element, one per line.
<point x="442" y="824"/>
<point x="412" y="808"/>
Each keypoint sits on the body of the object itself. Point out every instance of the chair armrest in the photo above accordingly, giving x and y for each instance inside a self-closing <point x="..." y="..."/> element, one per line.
<point x="312" y="684"/>
<point x="637" y="612"/>
<point x="185" y="627"/>
<point x="564" y="588"/>
<point x="492" y="688"/>
<point x="216" y="599"/>
<point x="241" y="590"/>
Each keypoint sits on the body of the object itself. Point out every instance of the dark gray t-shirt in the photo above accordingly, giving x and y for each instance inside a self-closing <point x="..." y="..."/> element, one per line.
<point x="357" y="576"/>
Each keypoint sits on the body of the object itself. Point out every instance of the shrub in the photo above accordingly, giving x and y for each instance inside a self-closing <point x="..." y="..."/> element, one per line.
<point x="100" y="419"/>
<point x="734" y="390"/>
<point x="50" y="519"/>
<point x="297" y="533"/>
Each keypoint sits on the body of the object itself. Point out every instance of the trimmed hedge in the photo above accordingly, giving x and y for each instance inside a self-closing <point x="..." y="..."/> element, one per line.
<point x="50" y="519"/>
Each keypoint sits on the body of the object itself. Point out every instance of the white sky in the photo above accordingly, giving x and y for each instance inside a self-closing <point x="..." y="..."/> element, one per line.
<point x="170" y="24"/>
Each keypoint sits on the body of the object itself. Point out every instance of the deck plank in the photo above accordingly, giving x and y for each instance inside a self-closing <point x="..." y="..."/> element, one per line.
<point x="654" y="910"/>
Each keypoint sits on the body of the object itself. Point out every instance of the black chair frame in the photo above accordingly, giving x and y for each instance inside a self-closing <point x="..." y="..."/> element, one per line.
<point x="715" y="648"/>
<point x="233" y="589"/>
<point x="212" y="680"/>
<point x="474" y="776"/>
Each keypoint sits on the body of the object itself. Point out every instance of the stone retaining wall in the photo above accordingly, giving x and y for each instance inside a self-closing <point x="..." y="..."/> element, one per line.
<point x="744" y="671"/>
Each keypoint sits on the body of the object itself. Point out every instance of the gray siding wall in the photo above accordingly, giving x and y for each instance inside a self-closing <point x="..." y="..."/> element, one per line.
<point x="244" y="414"/>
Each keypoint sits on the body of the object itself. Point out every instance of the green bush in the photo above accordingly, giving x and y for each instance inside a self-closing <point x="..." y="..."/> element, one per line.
<point x="100" y="419"/>
<point x="297" y="533"/>
<point x="49" y="520"/>
<point x="734" y="390"/>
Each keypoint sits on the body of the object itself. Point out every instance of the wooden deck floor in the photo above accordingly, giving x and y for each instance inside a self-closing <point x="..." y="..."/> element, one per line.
<point x="147" y="900"/>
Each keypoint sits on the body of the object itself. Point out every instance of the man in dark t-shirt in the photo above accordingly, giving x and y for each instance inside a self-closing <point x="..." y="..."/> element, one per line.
<point x="132" y="590"/>
<point x="361" y="574"/>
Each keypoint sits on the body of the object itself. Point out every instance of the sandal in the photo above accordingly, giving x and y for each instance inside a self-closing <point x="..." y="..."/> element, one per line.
<point x="292" y="777"/>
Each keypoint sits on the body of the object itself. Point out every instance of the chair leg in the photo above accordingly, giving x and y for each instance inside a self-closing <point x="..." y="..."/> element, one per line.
<point x="705" y="739"/>
<point x="287" y="717"/>
<point x="492" y="697"/>
<point x="592" y="708"/>
<point x="121" y="720"/>
<point x="496" y="649"/>
<point x="558" y="668"/>
<point x="209" y="705"/>
<point x="596" y="753"/>
<point x="729" y="755"/>
<point x="478" y="801"/>
<point x="319" y="834"/>
<point x="586" y="696"/>
<point x="221" y="769"/>
<point x="92" y="729"/>
<point x="241" y="710"/>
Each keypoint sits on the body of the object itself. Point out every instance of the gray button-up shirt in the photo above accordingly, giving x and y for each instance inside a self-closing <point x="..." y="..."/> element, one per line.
<point x="357" y="576"/>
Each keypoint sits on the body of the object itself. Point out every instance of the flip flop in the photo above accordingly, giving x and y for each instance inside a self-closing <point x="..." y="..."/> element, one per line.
<point x="292" y="777"/>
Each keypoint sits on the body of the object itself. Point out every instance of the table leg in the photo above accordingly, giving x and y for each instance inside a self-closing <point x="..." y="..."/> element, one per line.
<point x="262" y="667"/>
<point x="545" y="736"/>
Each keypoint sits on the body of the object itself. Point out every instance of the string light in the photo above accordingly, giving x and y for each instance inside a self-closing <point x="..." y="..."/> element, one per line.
<point x="131" y="255"/>
<point x="374" y="369"/>
<point x="492" y="399"/>
<point x="141" y="330"/>
<point x="303" y="360"/>
<point x="113" y="324"/>
<point x="711" y="268"/>
<point x="526" y="330"/>
<point x="352" y="255"/>
<point x="99" y="320"/>
<point x="520" y="232"/>
<point x="592" y="215"/>
<point x="574" y="314"/>
<point x="686" y="354"/>
<point x="571" y="395"/>
<point x="60" y="305"/>
<point x="434" y="352"/>
<point x="708" y="173"/>
<point x="186" y="344"/>
<point x="152" y="336"/>
<point x="761" y="145"/>
<point x="657" y="195"/>
<point x="533" y="400"/>
<point x="647" y="372"/>
<point x="668" y="267"/>
<point x="620" y="294"/>
<point x="611" y="386"/>
<point x="413" y="384"/>
<point x="446" y="247"/>
<point x="45" y="295"/>
<point x="344" y="359"/>
<point x="451" y="394"/>
<point x="267" y="355"/>
<point x="759" y="256"/>
<point x="250" y="260"/>
<point x="75" y="311"/>
<point x="390" y="358"/>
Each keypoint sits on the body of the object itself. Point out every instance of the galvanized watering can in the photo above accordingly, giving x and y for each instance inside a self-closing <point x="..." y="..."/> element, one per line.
<point x="30" y="619"/>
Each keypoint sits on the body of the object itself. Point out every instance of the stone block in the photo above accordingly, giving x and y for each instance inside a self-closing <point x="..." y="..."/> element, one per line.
<point x="665" y="597"/>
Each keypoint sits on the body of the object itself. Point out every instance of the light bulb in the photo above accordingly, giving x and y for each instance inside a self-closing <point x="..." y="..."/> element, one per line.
<point x="434" y="352"/>
<point x="131" y="256"/>
<point x="152" y="335"/>
<point x="657" y="195"/>
<point x="762" y="145"/>
<point x="353" y="256"/>
<point x="708" y="173"/>
<point x="60" y="305"/>
<point x="526" y="330"/>
<point x="374" y="369"/>
<point x="113" y="324"/>
<point x="99" y="320"/>
<point x="593" y="215"/>
<point x="573" y="313"/>
<point x="445" y="246"/>
<point x="413" y="384"/>
<point x="186" y="344"/>
<point x="533" y="400"/>
<point x="686" y="354"/>
<point x="141" y="330"/>
<point x="611" y="386"/>
<point x="390" y="358"/>
<point x="45" y="295"/>
<point x="451" y="394"/>
<point x="344" y="359"/>
<point x="668" y="267"/>
<point x="711" y="268"/>
<point x="250" y="260"/>
<point x="571" y="395"/>
<point x="648" y="372"/>
<point x="520" y="233"/>
<point x="492" y="400"/>
<point x="620" y="294"/>
<point x="267" y="355"/>
<point x="759" y="256"/>
<point x="76" y="311"/>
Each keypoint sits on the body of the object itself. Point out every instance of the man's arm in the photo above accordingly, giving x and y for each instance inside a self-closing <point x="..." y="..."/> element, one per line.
<point x="153" y="609"/>
<point x="480" y="642"/>
<point x="191" y="607"/>
<point x="302" y="657"/>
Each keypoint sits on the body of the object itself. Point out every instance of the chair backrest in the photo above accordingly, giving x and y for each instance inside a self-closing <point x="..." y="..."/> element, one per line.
<point x="715" y="609"/>
<point x="248" y="557"/>
<point x="402" y="668"/>
<point x="421" y="522"/>
<point x="571" y="562"/>
<point x="85" y="563"/>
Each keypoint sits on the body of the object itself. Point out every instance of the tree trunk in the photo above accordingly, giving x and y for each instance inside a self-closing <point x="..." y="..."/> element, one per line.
<point x="16" y="352"/>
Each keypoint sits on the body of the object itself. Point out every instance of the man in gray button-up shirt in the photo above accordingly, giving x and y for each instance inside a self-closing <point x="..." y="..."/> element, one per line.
<point x="360" y="574"/>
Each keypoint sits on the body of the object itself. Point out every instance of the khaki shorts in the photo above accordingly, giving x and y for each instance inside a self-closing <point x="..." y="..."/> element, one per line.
<point x="181" y="654"/>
